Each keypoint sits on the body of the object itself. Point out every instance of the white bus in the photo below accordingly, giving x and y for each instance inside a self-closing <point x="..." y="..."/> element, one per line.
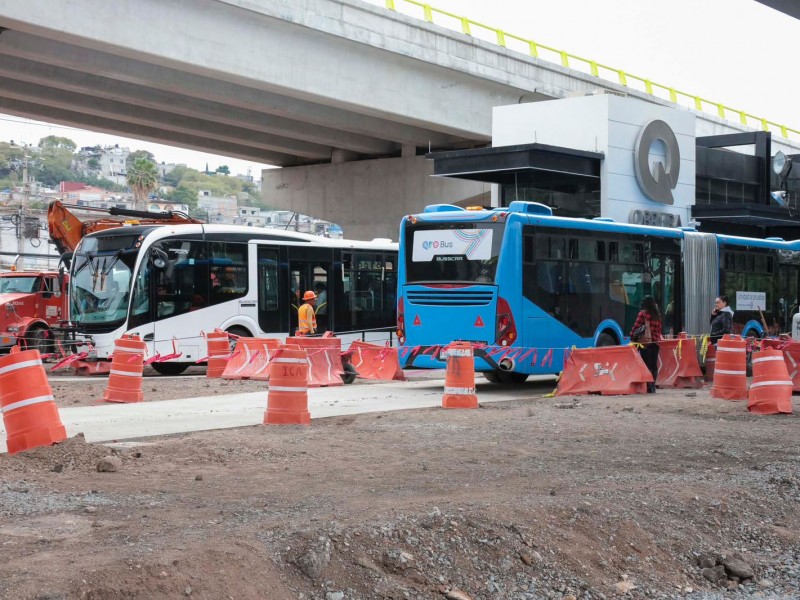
<point x="176" y="282"/>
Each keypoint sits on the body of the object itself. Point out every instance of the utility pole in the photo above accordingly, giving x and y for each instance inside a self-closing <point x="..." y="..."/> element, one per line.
<point x="19" y="263"/>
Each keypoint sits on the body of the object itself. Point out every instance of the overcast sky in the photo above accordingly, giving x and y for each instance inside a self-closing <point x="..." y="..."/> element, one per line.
<point x="738" y="52"/>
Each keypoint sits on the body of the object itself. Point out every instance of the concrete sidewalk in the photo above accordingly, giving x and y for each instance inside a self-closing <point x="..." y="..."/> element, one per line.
<point x="109" y="422"/>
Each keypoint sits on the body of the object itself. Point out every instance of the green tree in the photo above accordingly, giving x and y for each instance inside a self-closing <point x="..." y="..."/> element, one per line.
<point x="136" y="155"/>
<point x="182" y="195"/>
<point x="142" y="179"/>
<point x="55" y="153"/>
<point x="174" y="177"/>
<point x="218" y="186"/>
<point x="10" y="156"/>
<point x="51" y="173"/>
<point x="223" y="170"/>
<point x="54" y="142"/>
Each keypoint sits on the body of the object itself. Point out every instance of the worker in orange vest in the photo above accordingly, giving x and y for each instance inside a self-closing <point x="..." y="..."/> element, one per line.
<point x="307" y="319"/>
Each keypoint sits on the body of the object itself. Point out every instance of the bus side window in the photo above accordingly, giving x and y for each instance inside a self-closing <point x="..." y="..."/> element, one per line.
<point x="544" y="277"/>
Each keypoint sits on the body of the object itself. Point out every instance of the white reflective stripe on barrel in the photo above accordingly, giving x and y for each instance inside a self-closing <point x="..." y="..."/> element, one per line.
<point x="766" y="358"/>
<point x="280" y="388"/>
<point x="724" y="372"/>
<point x="708" y="360"/>
<point x="125" y="373"/>
<point x="27" y="402"/>
<point x="724" y="349"/>
<point x="459" y="390"/>
<point x="20" y="365"/>
<point x="298" y="361"/>
<point x="763" y="383"/>
<point x="459" y="352"/>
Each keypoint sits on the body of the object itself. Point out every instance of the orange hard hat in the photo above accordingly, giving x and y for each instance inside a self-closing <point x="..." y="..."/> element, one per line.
<point x="309" y="295"/>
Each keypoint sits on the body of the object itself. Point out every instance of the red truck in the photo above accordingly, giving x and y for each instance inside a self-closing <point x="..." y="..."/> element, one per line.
<point x="32" y="305"/>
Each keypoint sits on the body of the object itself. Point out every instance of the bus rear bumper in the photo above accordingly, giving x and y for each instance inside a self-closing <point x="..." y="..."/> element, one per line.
<point x="432" y="357"/>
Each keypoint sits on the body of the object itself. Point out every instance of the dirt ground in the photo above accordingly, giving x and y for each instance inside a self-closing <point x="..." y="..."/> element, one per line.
<point x="672" y="495"/>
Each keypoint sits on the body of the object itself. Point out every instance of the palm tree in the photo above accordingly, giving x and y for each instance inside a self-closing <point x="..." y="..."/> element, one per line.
<point x="142" y="179"/>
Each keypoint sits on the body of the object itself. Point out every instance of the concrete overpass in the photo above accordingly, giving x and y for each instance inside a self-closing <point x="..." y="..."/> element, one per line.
<point x="346" y="95"/>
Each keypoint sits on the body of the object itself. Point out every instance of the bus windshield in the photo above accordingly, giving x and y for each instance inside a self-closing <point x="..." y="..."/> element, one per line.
<point x="452" y="252"/>
<point x="99" y="287"/>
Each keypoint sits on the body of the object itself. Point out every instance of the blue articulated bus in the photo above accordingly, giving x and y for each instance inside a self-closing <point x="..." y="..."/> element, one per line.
<point x="525" y="286"/>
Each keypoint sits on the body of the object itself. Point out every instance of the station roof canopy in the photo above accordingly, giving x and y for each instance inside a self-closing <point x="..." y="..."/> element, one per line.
<point x="550" y="167"/>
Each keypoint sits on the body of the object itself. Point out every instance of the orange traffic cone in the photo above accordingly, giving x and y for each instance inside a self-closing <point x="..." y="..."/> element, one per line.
<point x="287" y="401"/>
<point x="459" y="378"/>
<point x="219" y="351"/>
<point x="127" y="364"/>
<point x="771" y="390"/>
<point x="730" y="372"/>
<point x="29" y="412"/>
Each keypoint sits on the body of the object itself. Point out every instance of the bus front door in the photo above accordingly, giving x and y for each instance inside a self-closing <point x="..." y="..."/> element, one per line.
<point x="665" y="289"/>
<point x="310" y="269"/>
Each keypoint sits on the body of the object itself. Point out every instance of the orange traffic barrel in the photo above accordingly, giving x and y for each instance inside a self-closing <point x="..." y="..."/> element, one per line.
<point x="30" y="414"/>
<point x="287" y="401"/>
<point x="219" y="351"/>
<point x="459" y="378"/>
<point x="711" y="361"/>
<point x="730" y="371"/>
<point x="771" y="389"/>
<point x="127" y="364"/>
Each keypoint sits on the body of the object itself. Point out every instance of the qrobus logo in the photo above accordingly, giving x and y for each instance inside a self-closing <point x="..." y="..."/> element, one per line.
<point x="657" y="186"/>
<point x="436" y="245"/>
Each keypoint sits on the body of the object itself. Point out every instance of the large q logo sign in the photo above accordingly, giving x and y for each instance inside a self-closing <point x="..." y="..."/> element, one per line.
<point x="657" y="186"/>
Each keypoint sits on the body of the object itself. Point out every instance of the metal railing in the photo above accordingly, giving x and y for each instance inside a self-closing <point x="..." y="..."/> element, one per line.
<point x="367" y="335"/>
<point x="591" y="67"/>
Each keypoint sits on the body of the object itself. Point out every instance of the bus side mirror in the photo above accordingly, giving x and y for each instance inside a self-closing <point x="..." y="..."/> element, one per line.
<point x="158" y="258"/>
<point x="61" y="279"/>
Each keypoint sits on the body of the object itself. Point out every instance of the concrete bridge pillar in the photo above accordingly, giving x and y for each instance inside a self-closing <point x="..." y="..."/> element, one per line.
<point x="368" y="197"/>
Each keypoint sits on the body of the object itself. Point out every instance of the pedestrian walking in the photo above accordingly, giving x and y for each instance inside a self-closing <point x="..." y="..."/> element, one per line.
<point x="647" y="332"/>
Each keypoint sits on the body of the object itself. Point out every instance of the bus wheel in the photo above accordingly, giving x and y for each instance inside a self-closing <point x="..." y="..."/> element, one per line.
<point x="236" y="330"/>
<point x="514" y="378"/>
<point x="169" y="368"/>
<point x="37" y="340"/>
<point x="349" y="375"/>
<point x="492" y="376"/>
<point x="505" y="377"/>
<point x="606" y="339"/>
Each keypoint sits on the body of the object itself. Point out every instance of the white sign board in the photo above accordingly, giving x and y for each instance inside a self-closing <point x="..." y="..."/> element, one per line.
<point x="474" y="244"/>
<point x="751" y="300"/>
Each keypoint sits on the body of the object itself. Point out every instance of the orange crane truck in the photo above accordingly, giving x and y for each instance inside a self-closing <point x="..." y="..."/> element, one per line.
<point x="67" y="230"/>
<point x="34" y="305"/>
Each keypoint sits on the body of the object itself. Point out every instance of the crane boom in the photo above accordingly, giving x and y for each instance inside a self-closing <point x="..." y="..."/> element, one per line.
<point x="66" y="230"/>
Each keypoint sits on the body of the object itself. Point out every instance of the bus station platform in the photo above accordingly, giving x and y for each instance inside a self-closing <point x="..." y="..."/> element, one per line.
<point x="118" y="422"/>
